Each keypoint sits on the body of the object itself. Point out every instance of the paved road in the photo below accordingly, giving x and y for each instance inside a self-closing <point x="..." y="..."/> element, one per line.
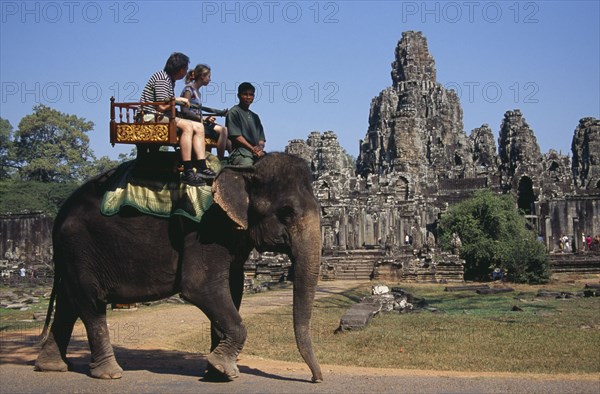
<point x="180" y="374"/>
<point x="153" y="367"/>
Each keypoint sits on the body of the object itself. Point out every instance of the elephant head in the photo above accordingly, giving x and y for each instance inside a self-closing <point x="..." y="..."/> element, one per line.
<point x="275" y="204"/>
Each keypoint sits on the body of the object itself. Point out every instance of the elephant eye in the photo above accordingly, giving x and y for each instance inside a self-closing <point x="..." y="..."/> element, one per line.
<point x="285" y="214"/>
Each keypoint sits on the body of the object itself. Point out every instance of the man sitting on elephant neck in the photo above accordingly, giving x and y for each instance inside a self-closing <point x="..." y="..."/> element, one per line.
<point x="245" y="129"/>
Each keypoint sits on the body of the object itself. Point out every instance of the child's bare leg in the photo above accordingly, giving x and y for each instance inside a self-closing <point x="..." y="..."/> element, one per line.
<point x="198" y="146"/>
<point x="189" y="177"/>
<point x="198" y="143"/>
<point x="221" y="141"/>
<point x="185" y="139"/>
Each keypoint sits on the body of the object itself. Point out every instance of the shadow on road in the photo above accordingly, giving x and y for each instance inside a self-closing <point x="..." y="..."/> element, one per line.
<point x="22" y="349"/>
<point x="257" y="372"/>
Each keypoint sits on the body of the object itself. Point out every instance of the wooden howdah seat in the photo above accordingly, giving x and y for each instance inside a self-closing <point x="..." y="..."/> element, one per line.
<point x="128" y="127"/>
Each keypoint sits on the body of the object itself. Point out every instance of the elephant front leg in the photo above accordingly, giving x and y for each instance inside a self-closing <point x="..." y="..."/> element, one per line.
<point x="231" y="332"/>
<point x="205" y="282"/>
<point x="236" y="288"/>
<point x="229" y="336"/>
<point x="222" y="359"/>
<point x="103" y="363"/>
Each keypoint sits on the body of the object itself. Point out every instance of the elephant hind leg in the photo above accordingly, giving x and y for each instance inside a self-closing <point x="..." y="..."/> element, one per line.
<point x="103" y="364"/>
<point x="53" y="356"/>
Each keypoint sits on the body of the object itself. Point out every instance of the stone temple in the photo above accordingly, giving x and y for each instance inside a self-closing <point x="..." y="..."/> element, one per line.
<point x="416" y="160"/>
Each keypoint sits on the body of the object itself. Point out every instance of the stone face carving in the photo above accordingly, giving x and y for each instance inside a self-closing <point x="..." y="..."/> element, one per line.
<point x="416" y="160"/>
<point x="519" y="152"/>
<point x="586" y="155"/>
<point x="484" y="148"/>
<point x="415" y="126"/>
<point x="413" y="61"/>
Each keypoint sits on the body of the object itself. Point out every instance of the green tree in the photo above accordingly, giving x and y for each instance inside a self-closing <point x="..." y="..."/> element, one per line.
<point x="51" y="146"/>
<point x="103" y="164"/>
<point x="494" y="234"/>
<point x="17" y="196"/>
<point x="6" y="166"/>
<point x="51" y="153"/>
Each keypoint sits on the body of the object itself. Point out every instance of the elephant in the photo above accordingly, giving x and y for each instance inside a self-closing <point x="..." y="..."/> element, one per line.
<point x="134" y="257"/>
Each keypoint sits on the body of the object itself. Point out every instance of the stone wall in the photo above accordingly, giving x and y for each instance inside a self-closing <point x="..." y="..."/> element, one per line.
<point x="25" y="239"/>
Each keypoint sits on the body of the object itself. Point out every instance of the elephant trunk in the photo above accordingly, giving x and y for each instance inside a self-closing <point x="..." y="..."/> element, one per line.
<point x="306" y="254"/>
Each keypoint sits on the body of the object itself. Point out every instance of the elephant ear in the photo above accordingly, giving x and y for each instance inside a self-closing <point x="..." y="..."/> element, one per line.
<point x="230" y="193"/>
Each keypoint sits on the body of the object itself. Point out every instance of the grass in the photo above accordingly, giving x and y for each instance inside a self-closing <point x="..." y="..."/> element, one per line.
<point x="472" y="333"/>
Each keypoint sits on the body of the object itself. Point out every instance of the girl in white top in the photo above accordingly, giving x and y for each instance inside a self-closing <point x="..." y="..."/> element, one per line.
<point x="196" y="78"/>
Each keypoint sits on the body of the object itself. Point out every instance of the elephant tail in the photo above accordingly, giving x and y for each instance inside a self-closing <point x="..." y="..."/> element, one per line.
<point x="46" y="330"/>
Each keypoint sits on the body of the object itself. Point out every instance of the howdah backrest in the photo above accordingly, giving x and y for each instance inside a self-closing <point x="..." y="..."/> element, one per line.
<point x="127" y="125"/>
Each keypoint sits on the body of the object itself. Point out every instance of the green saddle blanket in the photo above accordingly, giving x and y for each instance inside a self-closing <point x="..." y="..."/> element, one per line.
<point x="153" y="186"/>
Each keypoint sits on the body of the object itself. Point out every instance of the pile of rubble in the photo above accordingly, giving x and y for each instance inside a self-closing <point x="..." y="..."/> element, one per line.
<point x="590" y="290"/>
<point x="382" y="300"/>
<point x="22" y="300"/>
<point x="437" y="267"/>
<point x="267" y="267"/>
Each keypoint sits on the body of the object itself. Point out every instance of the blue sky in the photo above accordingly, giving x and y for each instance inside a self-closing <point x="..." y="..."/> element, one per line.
<point x="317" y="65"/>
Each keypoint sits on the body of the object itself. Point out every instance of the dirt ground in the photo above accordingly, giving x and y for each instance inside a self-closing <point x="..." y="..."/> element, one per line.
<point x="158" y="327"/>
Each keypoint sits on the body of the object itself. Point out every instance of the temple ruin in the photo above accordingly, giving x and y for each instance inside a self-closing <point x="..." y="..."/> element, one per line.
<point x="416" y="160"/>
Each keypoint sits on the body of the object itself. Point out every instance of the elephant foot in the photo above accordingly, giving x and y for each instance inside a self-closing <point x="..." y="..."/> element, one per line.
<point x="109" y="369"/>
<point x="48" y="364"/>
<point x="221" y="369"/>
<point x="317" y="379"/>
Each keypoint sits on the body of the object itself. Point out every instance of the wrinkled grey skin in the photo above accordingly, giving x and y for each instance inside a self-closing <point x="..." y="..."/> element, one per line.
<point x="131" y="257"/>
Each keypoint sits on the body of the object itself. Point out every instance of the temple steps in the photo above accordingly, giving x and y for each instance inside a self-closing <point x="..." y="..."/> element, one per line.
<point x="351" y="264"/>
<point x="574" y="263"/>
